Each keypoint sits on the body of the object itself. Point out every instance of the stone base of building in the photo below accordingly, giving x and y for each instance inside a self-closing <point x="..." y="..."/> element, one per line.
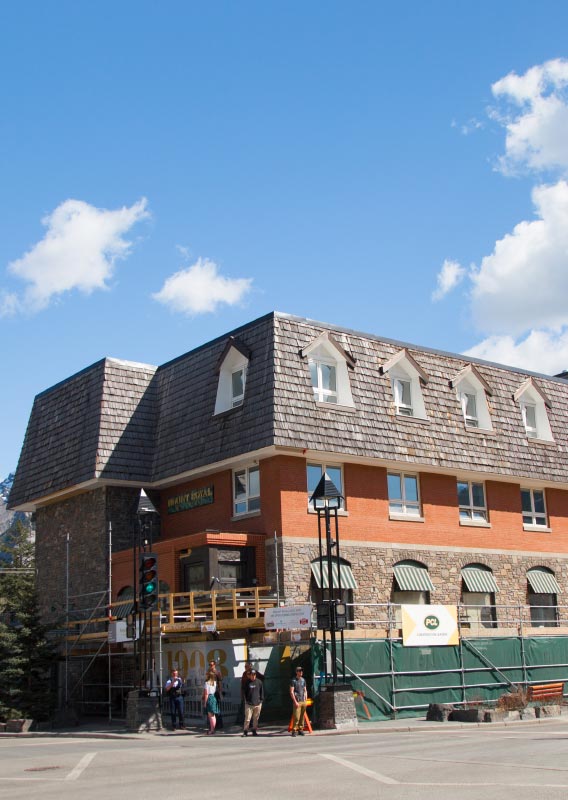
<point x="143" y="712"/>
<point x="336" y="708"/>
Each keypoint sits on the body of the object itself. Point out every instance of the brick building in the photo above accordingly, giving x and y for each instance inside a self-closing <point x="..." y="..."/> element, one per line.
<point x="454" y="473"/>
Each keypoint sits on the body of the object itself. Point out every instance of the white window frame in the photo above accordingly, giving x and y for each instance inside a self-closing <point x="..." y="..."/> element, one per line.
<point x="472" y="514"/>
<point x="405" y="409"/>
<point x="248" y="498"/>
<point x="410" y="508"/>
<point x="325" y="468"/>
<point x="468" y="399"/>
<point x="321" y="394"/>
<point x="233" y="363"/>
<point x="326" y="350"/>
<point x="534" y="519"/>
<point x="530" y="395"/>
<point x="237" y="399"/>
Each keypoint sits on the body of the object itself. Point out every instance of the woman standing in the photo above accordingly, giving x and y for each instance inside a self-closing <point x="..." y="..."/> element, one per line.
<point x="210" y="701"/>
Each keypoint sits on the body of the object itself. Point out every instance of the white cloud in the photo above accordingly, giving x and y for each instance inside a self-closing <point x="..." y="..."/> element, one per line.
<point x="540" y="351"/>
<point x="536" y="130"/>
<point x="451" y="274"/>
<point x="523" y="284"/>
<point x="200" y="288"/>
<point x="78" y="251"/>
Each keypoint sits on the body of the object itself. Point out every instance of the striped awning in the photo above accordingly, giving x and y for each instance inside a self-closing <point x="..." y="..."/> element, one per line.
<point x="479" y="580"/>
<point x="542" y="582"/>
<point x="347" y="579"/>
<point x="123" y="610"/>
<point x="411" y="578"/>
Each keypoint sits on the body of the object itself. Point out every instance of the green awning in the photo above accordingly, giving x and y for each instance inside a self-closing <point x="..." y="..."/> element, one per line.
<point x="411" y="578"/>
<point x="122" y="610"/>
<point x="542" y="582"/>
<point x="347" y="579"/>
<point x="479" y="580"/>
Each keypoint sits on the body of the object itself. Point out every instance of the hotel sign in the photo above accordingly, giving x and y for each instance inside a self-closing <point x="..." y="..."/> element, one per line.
<point x="192" y="499"/>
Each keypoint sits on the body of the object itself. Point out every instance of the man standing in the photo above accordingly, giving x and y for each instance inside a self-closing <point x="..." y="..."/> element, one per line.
<point x="254" y="696"/>
<point x="299" y="695"/>
<point x="174" y="686"/>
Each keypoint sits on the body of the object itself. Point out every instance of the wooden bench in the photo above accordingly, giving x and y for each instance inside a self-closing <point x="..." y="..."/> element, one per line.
<point x="545" y="692"/>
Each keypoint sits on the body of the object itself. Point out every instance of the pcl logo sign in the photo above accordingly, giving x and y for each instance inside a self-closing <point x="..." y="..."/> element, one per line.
<point x="431" y="622"/>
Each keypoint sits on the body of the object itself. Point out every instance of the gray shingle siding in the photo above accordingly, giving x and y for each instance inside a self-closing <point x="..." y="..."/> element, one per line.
<point x="133" y="422"/>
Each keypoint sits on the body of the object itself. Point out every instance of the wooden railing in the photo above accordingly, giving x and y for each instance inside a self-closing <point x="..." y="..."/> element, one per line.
<point x="232" y="607"/>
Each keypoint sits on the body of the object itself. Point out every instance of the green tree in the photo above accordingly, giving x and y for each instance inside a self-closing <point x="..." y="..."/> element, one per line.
<point x="26" y="657"/>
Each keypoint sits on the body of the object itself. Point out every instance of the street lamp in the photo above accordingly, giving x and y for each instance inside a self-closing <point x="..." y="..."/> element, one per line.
<point x="331" y="612"/>
<point x="146" y="514"/>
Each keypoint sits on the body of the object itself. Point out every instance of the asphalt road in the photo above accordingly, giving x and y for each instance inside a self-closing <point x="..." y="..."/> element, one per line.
<point x="523" y="761"/>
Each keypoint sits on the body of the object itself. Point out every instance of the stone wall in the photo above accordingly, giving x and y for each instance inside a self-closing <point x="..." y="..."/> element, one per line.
<point x="372" y="566"/>
<point x="84" y="518"/>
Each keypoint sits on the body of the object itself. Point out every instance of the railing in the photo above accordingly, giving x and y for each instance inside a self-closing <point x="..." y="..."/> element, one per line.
<point x="248" y="603"/>
<point x="475" y="619"/>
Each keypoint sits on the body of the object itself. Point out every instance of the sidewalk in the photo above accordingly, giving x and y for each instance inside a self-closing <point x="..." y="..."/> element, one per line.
<point x="109" y="729"/>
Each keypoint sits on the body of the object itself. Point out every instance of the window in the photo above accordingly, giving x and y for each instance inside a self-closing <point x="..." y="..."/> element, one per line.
<point x="478" y="597"/>
<point x="542" y="596"/>
<point x="232" y="368"/>
<point x="411" y="586"/>
<point x="329" y="366"/>
<point x="334" y="473"/>
<point x="246" y="490"/>
<point x="533" y="404"/>
<point x="528" y="411"/>
<point x="403" y="397"/>
<point x="324" y="380"/>
<point x="403" y="494"/>
<point x="238" y="386"/>
<point x="472" y="391"/>
<point x="407" y="378"/>
<point x="471" y="500"/>
<point x="534" y="509"/>
<point x="469" y="408"/>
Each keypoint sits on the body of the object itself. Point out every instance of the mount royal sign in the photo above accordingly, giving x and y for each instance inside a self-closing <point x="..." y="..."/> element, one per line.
<point x="203" y="496"/>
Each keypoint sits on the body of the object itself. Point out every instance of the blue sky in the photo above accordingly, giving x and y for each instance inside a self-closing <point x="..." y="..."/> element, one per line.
<point x="169" y="171"/>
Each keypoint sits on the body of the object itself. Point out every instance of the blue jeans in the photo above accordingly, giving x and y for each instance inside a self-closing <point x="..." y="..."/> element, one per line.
<point x="176" y="709"/>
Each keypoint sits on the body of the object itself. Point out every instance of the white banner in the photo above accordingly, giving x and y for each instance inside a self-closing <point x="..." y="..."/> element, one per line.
<point x="192" y="662"/>
<point x="288" y="618"/>
<point x="424" y="626"/>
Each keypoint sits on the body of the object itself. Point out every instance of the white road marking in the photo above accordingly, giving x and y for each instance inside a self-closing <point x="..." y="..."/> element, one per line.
<point x="376" y="776"/>
<point x="82" y="765"/>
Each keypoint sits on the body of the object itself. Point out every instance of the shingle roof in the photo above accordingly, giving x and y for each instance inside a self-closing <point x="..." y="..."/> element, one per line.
<point x="133" y="422"/>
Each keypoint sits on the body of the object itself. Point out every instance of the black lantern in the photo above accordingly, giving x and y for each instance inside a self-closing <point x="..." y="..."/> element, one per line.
<point x="331" y="612"/>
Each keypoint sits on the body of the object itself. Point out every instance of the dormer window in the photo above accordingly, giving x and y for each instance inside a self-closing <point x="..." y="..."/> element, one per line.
<point x="472" y="391"/>
<point x="533" y="404"/>
<point x="238" y="386"/>
<point x="324" y="380"/>
<point x="232" y="368"/>
<point x="329" y="366"/>
<point x="407" y="378"/>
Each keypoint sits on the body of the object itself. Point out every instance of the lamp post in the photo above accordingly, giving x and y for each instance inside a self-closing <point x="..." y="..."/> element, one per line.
<point x="331" y="612"/>
<point x="146" y="514"/>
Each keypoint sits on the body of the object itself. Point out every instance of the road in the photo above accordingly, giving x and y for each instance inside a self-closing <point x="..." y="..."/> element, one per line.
<point x="486" y="763"/>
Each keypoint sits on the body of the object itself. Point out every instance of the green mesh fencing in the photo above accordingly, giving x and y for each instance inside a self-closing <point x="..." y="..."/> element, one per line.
<point x="390" y="680"/>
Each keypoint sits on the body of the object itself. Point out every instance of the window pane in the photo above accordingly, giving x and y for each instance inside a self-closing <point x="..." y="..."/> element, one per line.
<point x="238" y="383"/>
<point x="328" y="377"/>
<point x="254" y="504"/>
<point x="530" y="416"/>
<point x="465" y="514"/>
<point x="526" y="500"/>
<point x="405" y="386"/>
<point x="471" y="405"/>
<point x="314" y="373"/>
<point x="394" y="487"/>
<point x="463" y="494"/>
<point x="396" y="507"/>
<point x="410" y="488"/>
<point x="240" y="484"/>
<point x="478" y="495"/>
<point x="527" y="519"/>
<point x="334" y="474"/>
<point x="314" y="477"/>
<point x="254" y="482"/>
<point x="538" y="502"/>
<point x="240" y="508"/>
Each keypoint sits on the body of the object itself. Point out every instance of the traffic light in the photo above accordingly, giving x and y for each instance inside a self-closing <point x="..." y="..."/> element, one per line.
<point x="148" y="581"/>
<point x="340" y="616"/>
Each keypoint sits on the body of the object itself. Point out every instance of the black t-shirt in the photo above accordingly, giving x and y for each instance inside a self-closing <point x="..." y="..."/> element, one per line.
<point x="299" y="686"/>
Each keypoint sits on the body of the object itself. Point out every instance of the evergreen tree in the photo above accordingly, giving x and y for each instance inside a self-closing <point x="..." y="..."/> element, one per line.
<point x="26" y="658"/>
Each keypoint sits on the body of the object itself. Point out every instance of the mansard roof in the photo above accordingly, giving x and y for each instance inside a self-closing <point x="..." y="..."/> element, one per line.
<point x="122" y="422"/>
